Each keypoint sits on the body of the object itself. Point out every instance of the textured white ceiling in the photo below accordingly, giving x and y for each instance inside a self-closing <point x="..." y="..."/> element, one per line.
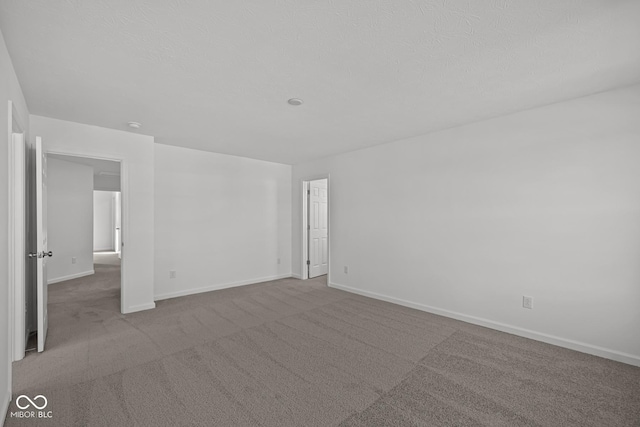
<point x="216" y="75"/>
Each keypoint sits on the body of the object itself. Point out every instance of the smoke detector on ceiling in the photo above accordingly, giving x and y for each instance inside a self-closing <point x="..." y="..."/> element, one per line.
<point x="295" y="101"/>
<point x="135" y="125"/>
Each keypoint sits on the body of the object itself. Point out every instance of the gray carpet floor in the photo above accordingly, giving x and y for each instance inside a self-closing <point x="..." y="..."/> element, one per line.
<point x="297" y="353"/>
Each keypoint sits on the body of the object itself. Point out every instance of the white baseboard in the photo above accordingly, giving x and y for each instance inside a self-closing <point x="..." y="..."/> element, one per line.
<point x="186" y="292"/>
<point x="297" y="276"/>
<point x="526" y="333"/>
<point x="4" y="405"/>
<point x="140" y="307"/>
<point x="71" y="276"/>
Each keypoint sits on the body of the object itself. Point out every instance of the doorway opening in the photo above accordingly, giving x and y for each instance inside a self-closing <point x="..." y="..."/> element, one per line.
<point x="107" y="220"/>
<point x="107" y="254"/>
<point x="83" y="274"/>
<point x="315" y="228"/>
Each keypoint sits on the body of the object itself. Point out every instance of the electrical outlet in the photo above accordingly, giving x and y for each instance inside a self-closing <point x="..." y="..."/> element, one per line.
<point x="172" y="274"/>
<point x="278" y="261"/>
<point x="527" y="302"/>
<point x="74" y="260"/>
<point x="346" y="270"/>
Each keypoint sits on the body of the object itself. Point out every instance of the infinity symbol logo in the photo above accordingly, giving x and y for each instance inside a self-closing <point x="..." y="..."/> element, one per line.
<point x="31" y="402"/>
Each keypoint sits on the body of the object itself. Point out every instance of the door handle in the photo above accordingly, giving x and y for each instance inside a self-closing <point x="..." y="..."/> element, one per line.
<point x="40" y="254"/>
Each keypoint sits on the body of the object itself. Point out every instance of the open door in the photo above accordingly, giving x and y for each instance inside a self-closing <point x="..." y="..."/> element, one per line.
<point x="17" y="236"/>
<point x="42" y="247"/>
<point x="318" y="231"/>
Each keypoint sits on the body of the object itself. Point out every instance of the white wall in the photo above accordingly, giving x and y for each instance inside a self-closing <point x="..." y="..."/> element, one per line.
<point x="104" y="220"/>
<point x="136" y="152"/>
<point x="9" y="91"/>
<point x="220" y="221"/>
<point x="106" y="183"/>
<point x="69" y="220"/>
<point x="464" y="222"/>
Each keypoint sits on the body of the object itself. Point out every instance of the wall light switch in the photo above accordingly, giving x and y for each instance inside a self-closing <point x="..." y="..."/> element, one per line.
<point x="74" y="260"/>
<point x="172" y="274"/>
<point x="346" y="270"/>
<point x="527" y="302"/>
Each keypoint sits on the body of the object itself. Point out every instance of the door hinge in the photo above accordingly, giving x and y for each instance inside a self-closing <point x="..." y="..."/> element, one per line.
<point x="308" y="227"/>
<point x="309" y="192"/>
<point x="308" y="262"/>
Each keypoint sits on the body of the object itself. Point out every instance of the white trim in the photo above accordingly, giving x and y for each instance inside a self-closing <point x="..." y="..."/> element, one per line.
<point x="296" y="276"/>
<point x="4" y="406"/>
<point x="70" y="276"/>
<point x="218" y="287"/>
<point x="141" y="307"/>
<point x="515" y="330"/>
<point x="12" y="295"/>
<point x="124" y="228"/>
<point x="10" y="303"/>
<point x="16" y="322"/>
<point x="304" y="273"/>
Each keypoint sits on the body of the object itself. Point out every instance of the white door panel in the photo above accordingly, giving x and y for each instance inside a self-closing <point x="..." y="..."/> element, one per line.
<point x="42" y="247"/>
<point x="318" y="231"/>
<point x="19" y="236"/>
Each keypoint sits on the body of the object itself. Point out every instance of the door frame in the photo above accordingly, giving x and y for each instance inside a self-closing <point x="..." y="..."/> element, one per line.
<point x="16" y="249"/>
<point x="304" y="272"/>
<point x="124" y="209"/>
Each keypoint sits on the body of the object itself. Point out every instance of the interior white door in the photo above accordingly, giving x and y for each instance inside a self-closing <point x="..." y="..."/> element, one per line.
<point x="318" y="231"/>
<point x="19" y="248"/>
<point x="42" y="246"/>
